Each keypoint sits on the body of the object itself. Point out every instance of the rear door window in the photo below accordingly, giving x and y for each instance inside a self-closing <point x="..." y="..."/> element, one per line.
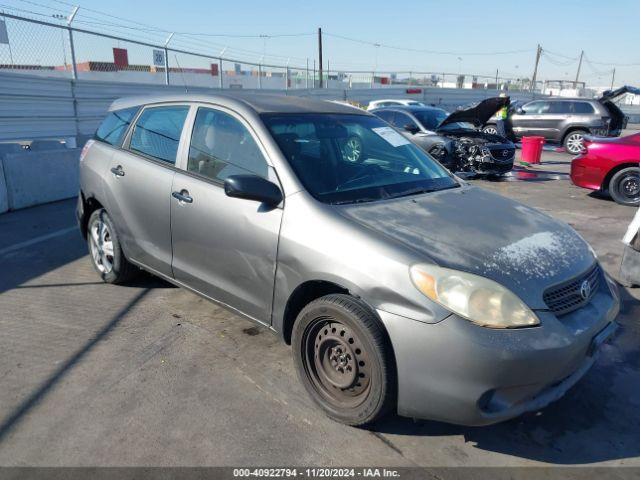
<point x="115" y="125"/>
<point x="157" y="132"/>
<point x="559" y="107"/>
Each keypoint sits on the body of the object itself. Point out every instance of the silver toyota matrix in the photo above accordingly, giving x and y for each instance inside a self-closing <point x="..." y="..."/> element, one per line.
<point x="398" y="285"/>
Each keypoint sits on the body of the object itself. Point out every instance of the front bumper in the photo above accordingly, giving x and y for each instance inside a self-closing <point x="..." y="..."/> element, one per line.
<point x="457" y="372"/>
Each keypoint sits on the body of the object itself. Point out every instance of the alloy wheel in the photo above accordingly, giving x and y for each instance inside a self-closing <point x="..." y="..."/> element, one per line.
<point x="101" y="246"/>
<point x="574" y="143"/>
<point x="491" y="130"/>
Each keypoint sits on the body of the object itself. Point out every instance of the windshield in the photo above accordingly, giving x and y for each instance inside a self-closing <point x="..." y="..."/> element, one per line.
<point x="354" y="158"/>
<point x="430" y="119"/>
<point x="458" y="126"/>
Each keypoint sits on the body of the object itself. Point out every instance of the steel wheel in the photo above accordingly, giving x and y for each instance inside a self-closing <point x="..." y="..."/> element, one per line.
<point x="352" y="150"/>
<point x="337" y="363"/>
<point x="343" y="358"/>
<point x="574" y="143"/>
<point x="625" y="186"/>
<point x="101" y="246"/>
<point x="630" y="186"/>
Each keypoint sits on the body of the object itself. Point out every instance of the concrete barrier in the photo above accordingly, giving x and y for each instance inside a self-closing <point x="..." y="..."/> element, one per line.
<point x="33" y="178"/>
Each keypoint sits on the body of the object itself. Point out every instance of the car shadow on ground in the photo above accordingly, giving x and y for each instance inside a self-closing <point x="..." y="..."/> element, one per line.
<point x="596" y="421"/>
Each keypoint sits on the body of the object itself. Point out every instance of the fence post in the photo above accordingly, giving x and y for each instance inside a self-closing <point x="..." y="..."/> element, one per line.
<point x="166" y="59"/>
<point x="220" y="72"/>
<point x="306" y="81"/>
<point x="74" y="67"/>
<point x="260" y="76"/>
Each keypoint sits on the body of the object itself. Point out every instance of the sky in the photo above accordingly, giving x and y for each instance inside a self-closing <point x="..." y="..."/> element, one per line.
<point x="475" y="34"/>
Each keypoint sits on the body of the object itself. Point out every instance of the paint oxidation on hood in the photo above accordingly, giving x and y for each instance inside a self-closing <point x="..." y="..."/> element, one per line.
<point x="483" y="233"/>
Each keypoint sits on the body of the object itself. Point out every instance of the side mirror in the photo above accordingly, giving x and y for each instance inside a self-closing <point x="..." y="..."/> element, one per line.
<point x="253" y="187"/>
<point x="519" y="111"/>
<point x="411" y="128"/>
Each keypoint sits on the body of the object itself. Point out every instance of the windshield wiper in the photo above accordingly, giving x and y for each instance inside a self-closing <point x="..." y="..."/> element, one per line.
<point x="357" y="200"/>
<point x="419" y="190"/>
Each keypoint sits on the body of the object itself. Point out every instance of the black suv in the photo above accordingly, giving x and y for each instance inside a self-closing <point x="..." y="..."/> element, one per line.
<point x="568" y="120"/>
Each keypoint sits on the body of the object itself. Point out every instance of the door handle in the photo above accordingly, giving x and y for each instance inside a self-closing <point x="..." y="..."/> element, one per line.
<point x="182" y="196"/>
<point x="118" y="171"/>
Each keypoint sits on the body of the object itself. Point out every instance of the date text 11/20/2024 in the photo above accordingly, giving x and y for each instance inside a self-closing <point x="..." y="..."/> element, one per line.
<point x="316" y="472"/>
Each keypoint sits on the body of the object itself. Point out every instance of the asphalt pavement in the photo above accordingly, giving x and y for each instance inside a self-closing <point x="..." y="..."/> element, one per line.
<point x="149" y="374"/>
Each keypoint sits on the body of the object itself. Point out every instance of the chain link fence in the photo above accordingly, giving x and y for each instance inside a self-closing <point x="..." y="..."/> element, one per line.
<point x="50" y="49"/>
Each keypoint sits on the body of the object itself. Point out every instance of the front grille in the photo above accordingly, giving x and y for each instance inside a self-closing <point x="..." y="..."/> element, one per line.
<point x="568" y="296"/>
<point x="502" y="154"/>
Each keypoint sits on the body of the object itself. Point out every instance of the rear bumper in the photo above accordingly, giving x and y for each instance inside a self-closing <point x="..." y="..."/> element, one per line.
<point x="585" y="173"/>
<point x="457" y="372"/>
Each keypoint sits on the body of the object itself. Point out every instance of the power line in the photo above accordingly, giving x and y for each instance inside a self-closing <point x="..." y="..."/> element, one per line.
<point x="418" y="50"/>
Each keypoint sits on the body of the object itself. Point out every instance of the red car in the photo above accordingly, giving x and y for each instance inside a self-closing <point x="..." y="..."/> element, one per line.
<point x="610" y="165"/>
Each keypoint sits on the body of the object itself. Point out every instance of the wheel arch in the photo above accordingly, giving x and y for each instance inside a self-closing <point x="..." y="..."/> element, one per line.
<point x="613" y="171"/>
<point x="89" y="205"/>
<point x="309" y="291"/>
<point x="573" y="128"/>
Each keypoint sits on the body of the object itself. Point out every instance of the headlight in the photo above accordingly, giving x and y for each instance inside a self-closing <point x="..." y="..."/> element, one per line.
<point x="475" y="298"/>
<point x="612" y="286"/>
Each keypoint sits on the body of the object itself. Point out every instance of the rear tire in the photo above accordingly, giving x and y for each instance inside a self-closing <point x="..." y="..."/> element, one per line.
<point x="624" y="186"/>
<point x="573" y="141"/>
<point x="344" y="359"/>
<point x="105" y="250"/>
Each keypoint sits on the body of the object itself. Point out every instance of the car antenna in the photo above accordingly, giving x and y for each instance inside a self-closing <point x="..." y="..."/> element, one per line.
<point x="186" y="90"/>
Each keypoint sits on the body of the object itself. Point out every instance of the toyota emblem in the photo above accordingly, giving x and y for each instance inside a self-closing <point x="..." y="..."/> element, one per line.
<point x="585" y="289"/>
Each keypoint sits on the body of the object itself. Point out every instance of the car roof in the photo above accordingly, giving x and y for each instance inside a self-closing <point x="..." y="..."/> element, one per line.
<point x="258" y="102"/>
<point x="409" y="108"/>
<point x="563" y="99"/>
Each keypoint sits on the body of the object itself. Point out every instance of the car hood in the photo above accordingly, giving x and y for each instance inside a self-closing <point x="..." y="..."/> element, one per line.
<point x="480" y="232"/>
<point x="477" y="114"/>
<point x="613" y="94"/>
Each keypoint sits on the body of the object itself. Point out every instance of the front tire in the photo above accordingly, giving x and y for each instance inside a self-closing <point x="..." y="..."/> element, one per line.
<point x="344" y="359"/>
<point x="574" y="142"/>
<point x="624" y="186"/>
<point x="490" y="129"/>
<point x="105" y="250"/>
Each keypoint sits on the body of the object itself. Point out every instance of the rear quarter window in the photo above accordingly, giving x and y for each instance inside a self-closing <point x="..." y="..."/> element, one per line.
<point x="115" y="125"/>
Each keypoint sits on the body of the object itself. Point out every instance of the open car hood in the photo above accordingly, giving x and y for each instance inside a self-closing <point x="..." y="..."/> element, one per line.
<point x="478" y="113"/>
<point x="613" y="94"/>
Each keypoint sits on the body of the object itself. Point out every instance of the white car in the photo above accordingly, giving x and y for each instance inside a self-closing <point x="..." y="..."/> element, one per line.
<point x="393" y="102"/>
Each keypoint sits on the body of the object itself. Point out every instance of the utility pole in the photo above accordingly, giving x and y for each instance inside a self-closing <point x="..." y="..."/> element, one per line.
<point x="578" y="72"/>
<point x="613" y="77"/>
<point x="320" y="55"/>
<point x="497" y="87"/>
<point x="535" y="69"/>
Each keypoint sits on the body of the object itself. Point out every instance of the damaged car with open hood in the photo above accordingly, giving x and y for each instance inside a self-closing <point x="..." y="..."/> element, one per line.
<point x="398" y="286"/>
<point x="456" y="140"/>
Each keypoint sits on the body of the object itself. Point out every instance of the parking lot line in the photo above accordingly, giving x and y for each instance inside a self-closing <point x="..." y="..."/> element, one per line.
<point x="33" y="241"/>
